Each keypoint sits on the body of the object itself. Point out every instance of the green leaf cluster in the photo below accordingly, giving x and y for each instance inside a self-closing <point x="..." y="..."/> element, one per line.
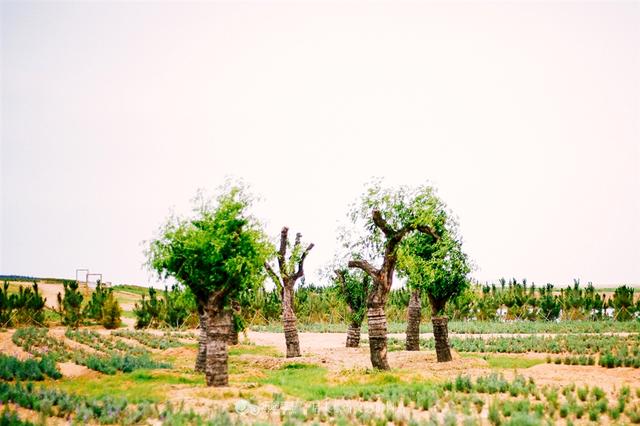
<point x="220" y="251"/>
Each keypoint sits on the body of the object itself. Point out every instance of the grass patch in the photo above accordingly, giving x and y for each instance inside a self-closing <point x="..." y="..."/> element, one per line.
<point x="136" y="387"/>
<point x="312" y="382"/>
<point x="131" y="289"/>
<point x="502" y="361"/>
<point x="252" y="350"/>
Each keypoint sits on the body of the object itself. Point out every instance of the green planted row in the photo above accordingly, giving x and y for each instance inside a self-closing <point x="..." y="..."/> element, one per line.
<point x="149" y="339"/>
<point x="53" y="402"/>
<point x="573" y="344"/>
<point x="39" y="343"/>
<point x="10" y="418"/>
<point x="12" y="368"/>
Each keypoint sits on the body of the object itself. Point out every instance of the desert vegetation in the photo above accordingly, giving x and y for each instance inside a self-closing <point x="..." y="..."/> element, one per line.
<point x="439" y="349"/>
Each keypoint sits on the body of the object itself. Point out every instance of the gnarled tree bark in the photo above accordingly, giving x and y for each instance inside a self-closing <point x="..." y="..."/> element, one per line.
<point x="382" y="279"/>
<point x="216" y="369"/>
<point x="233" y="329"/>
<point x="440" y="330"/>
<point x="289" y="322"/>
<point x="285" y="283"/>
<point x="353" y="334"/>
<point x="201" y="359"/>
<point x="414" y="312"/>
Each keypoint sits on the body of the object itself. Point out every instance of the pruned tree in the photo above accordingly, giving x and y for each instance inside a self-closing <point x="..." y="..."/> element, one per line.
<point x="383" y="218"/>
<point x="421" y="247"/>
<point x="290" y="270"/>
<point x="439" y="269"/>
<point x="353" y="288"/>
<point x="218" y="254"/>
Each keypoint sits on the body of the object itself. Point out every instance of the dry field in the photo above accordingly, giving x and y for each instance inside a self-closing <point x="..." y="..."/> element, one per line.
<point x="129" y="376"/>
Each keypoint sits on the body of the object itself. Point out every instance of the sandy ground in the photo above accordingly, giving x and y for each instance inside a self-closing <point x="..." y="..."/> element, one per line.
<point x="327" y="349"/>
<point x="7" y="346"/>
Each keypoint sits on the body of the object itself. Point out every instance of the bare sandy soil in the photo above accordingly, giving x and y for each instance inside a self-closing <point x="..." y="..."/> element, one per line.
<point x="328" y="349"/>
<point x="7" y="346"/>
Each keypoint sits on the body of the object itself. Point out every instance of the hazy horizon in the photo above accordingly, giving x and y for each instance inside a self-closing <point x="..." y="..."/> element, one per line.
<point x="524" y="115"/>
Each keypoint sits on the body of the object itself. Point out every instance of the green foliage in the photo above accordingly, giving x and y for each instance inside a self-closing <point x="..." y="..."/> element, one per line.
<point x="401" y="207"/>
<point x="39" y="343"/>
<point x="623" y="303"/>
<point x="148" y="339"/>
<point x="71" y="304"/>
<point x="111" y="312"/>
<point x="94" y="308"/>
<point x="22" y="308"/>
<point x="438" y="268"/>
<point x="149" y="312"/>
<point x="352" y="287"/>
<point x="29" y="369"/>
<point x="175" y="309"/>
<point x="220" y="250"/>
<point x="82" y="410"/>
<point x="10" y="418"/>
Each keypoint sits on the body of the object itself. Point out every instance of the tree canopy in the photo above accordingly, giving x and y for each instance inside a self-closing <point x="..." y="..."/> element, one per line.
<point x="439" y="267"/>
<point x="220" y="250"/>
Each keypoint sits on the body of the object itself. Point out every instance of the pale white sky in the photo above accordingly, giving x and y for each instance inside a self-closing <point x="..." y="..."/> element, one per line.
<point x="525" y="115"/>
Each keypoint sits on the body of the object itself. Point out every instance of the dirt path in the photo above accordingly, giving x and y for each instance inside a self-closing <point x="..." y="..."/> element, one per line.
<point x="7" y="347"/>
<point x="328" y="349"/>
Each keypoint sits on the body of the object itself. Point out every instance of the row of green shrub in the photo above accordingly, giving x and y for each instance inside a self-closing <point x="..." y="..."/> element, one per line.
<point x="39" y="343"/>
<point x="10" y="418"/>
<point x="148" y="339"/>
<point x="573" y="344"/>
<point x="30" y="369"/>
<point x="104" y="343"/>
<point x="54" y="402"/>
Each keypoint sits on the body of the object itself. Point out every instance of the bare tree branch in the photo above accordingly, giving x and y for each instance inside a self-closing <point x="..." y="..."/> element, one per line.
<point x="427" y="230"/>
<point x="283" y="249"/>
<point x="274" y="277"/>
<point x="382" y="224"/>
<point x="365" y="266"/>
<point x="300" y="272"/>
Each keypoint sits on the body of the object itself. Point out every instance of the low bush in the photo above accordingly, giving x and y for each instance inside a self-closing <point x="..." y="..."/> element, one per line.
<point x="30" y="369"/>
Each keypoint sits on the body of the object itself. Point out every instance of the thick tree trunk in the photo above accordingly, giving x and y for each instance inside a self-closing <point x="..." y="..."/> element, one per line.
<point x="232" y="337"/>
<point x="441" y="337"/>
<point x="377" y="322"/>
<point x="289" y="322"/>
<point x="216" y="370"/>
<point x="201" y="359"/>
<point x="414" y="311"/>
<point x="234" y="331"/>
<point x="353" y="334"/>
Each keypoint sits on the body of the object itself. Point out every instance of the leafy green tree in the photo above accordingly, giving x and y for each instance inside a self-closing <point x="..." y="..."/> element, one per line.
<point x="549" y="304"/>
<point x="439" y="268"/>
<point x="416" y="253"/>
<point x="353" y="288"/>
<point x="111" y="314"/>
<point x="149" y="312"/>
<point x="179" y="306"/>
<point x="24" y="307"/>
<point x="382" y="218"/>
<point x="93" y="309"/>
<point x="622" y="302"/>
<point x="219" y="254"/>
<point x="71" y="304"/>
<point x="29" y="305"/>
<point x="290" y="270"/>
